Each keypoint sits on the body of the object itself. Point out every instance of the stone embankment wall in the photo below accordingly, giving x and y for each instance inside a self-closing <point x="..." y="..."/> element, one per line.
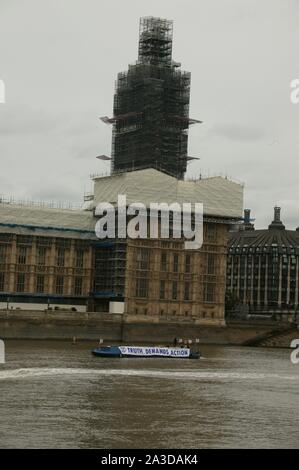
<point x="66" y="325"/>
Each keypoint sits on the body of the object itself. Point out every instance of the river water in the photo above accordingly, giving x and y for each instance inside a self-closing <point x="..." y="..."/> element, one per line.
<point x="57" y="395"/>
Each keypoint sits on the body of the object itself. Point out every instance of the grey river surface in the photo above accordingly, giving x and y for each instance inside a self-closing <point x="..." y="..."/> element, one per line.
<point x="56" y="395"/>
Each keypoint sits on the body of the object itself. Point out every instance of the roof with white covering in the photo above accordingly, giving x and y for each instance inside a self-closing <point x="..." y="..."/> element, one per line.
<point x="34" y="220"/>
<point x="220" y="196"/>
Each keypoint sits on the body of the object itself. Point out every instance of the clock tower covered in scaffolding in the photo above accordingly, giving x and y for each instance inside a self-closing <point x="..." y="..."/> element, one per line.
<point x="151" y="106"/>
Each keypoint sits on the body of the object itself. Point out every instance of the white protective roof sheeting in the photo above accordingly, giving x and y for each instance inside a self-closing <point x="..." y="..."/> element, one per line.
<point x="55" y="222"/>
<point x="219" y="196"/>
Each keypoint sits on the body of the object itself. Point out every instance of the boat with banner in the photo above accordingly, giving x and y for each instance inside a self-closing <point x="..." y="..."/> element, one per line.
<point x="146" y="351"/>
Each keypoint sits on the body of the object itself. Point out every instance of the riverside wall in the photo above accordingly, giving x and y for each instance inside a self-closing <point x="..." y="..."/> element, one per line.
<point x="56" y="325"/>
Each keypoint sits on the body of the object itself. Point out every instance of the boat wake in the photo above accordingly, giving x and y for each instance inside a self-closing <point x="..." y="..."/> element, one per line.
<point x="169" y="374"/>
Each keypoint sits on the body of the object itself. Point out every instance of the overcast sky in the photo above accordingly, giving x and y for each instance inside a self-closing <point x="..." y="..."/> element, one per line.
<point x="59" y="60"/>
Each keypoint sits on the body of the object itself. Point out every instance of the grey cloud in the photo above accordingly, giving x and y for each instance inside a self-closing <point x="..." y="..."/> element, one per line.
<point x="56" y="192"/>
<point x="16" y="119"/>
<point x="237" y="132"/>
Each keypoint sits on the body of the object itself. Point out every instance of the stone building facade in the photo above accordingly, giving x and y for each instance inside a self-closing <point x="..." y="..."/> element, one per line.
<point x="46" y="257"/>
<point x="52" y="258"/>
<point x="263" y="267"/>
<point x="160" y="276"/>
<point x="165" y="279"/>
<point x="44" y="265"/>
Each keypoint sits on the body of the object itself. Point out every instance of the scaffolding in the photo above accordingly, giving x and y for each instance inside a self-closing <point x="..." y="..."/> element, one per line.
<point x="109" y="268"/>
<point x="41" y="204"/>
<point x="155" y="40"/>
<point x="151" y="106"/>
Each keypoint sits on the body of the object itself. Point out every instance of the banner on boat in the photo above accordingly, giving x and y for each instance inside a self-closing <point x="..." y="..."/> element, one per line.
<point x="154" y="351"/>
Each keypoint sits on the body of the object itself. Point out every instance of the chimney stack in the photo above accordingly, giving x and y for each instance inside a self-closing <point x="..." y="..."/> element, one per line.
<point x="277" y="214"/>
<point x="247" y="224"/>
<point x="277" y="224"/>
